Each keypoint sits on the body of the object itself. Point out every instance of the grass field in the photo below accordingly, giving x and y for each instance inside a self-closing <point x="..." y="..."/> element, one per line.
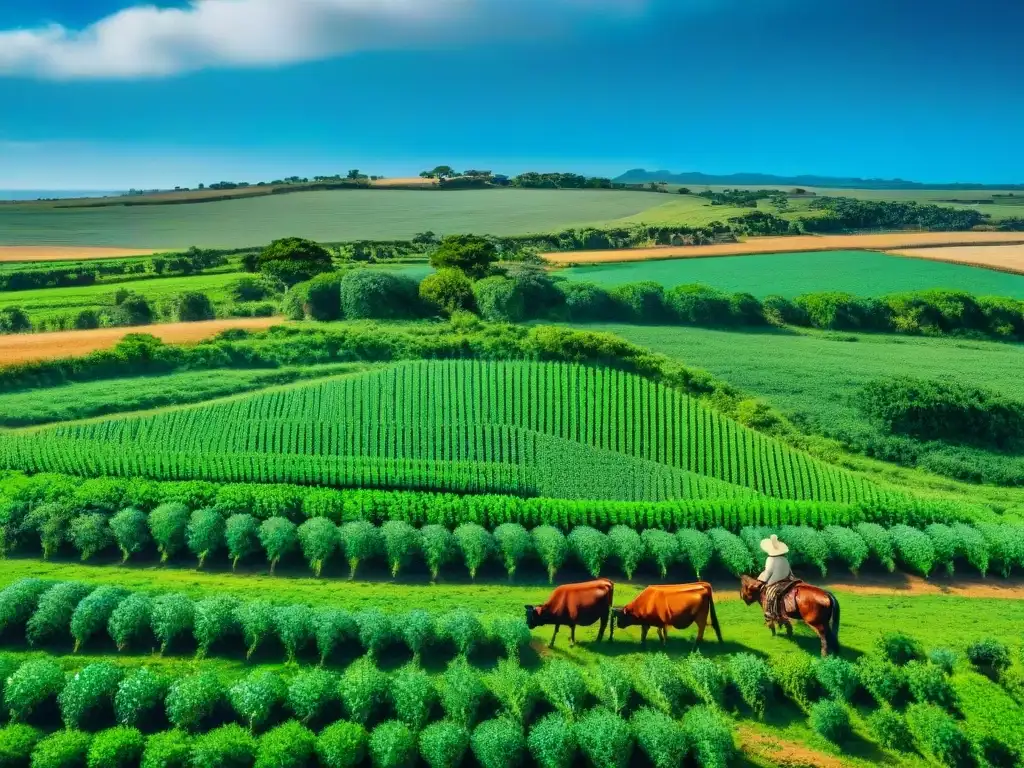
<point x="322" y="216"/>
<point x="865" y="273"/>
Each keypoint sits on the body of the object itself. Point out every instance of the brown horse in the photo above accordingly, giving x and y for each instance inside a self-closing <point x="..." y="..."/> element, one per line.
<point x="816" y="607"/>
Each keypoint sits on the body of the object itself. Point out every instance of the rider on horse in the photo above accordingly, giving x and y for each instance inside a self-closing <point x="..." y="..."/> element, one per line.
<point x="777" y="577"/>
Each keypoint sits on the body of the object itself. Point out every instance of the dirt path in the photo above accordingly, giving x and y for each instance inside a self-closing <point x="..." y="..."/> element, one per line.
<point x="788" y="754"/>
<point x="67" y="252"/>
<point x="762" y="245"/>
<point x="904" y="585"/>
<point x="27" y="347"/>
<point x="1004" y="258"/>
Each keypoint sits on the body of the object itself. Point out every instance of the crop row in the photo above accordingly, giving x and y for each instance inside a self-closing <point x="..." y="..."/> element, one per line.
<point x="171" y="529"/>
<point x="666" y="708"/>
<point x="19" y="492"/>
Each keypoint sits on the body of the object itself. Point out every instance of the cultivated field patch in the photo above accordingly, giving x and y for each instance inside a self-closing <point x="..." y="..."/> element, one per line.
<point x="1005" y="258"/>
<point x="17" y="253"/>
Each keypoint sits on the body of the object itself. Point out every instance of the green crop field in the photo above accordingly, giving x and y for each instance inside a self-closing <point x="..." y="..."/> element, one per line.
<point x="556" y="430"/>
<point x="322" y="216"/>
<point x="864" y="273"/>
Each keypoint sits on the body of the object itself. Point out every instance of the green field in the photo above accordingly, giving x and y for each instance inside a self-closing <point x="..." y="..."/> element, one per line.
<point x="322" y="216"/>
<point x="864" y="273"/>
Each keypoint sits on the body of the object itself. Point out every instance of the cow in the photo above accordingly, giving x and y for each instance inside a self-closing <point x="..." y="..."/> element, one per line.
<point x="669" y="605"/>
<point x="573" y="604"/>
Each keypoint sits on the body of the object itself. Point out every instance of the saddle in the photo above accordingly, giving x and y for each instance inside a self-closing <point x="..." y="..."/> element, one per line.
<point x="780" y="599"/>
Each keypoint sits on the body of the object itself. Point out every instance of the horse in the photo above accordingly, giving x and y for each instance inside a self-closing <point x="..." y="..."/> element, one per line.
<point x="814" y="606"/>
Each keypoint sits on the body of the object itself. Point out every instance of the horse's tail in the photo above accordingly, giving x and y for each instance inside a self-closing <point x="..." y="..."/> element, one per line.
<point x="714" y="616"/>
<point x="835" y="620"/>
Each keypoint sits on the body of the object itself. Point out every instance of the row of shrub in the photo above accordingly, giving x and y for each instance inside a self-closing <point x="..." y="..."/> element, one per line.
<point x="171" y="529"/>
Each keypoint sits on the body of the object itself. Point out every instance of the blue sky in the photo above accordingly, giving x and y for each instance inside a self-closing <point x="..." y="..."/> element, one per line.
<point x="110" y="94"/>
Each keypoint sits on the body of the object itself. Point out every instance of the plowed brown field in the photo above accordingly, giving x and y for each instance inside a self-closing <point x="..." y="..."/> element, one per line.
<point x="759" y="245"/>
<point x="27" y="347"/>
<point x="66" y="253"/>
<point x="1004" y="258"/>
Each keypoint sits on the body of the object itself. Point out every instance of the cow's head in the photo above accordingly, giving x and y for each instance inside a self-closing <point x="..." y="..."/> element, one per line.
<point x="750" y="589"/>
<point x="532" y="616"/>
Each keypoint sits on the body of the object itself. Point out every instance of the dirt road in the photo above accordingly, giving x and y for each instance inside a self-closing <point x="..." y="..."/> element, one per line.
<point x="761" y="245"/>
<point x="27" y="347"/>
<point x="67" y="252"/>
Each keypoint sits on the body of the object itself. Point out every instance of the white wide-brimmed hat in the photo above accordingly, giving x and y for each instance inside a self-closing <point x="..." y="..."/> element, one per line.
<point x="772" y="546"/>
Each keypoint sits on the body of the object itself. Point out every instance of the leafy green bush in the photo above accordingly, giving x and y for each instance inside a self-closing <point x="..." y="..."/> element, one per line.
<point x="552" y="742"/>
<point x="730" y="551"/>
<point x="392" y="745"/>
<point x="796" y="675"/>
<point x="35" y="683"/>
<point x="312" y="693"/>
<point x="890" y="728"/>
<point x="943" y="658"/>
<point x="695" y="548"/>
<point x="167" y="525"/>
<point x="205" y="534"/>
<point x="476" y="545"/>
<point x="89" y="694"/>
<point x="879" y="544"/>
<point x="278" y="539"/>
<point x="256" y="697"/>
<point x="443" y="744"/>
<point x="52" y="522"/>
<point x="838" y="677"/>
<point x="376" y="631"/>
<point x="881" y="678"/>
<point x="809" y="547"/>
<point x="627" y="548"/>
<point x="167" y="749"/>
<point x="256" y="619"/>
<point x="289" y="745"/>
<point x="53" y="616"/>
<point x="946" y="544"/>
<point x="928" y="684"/>
<point x="847" y="546"/>
<point x="16" y="744"/>
<point x="660" y="737"/>
<point x="661" y="547"/>
<point x="461" y="692"/>
<point x="1005" y="546"/>
<point x="118" y="747"/>
<point x="401" y="542"/>
<point x="418" y="631"/>
<point x="590" y="547"/>
<point x="19" y="601"/>
<point x="193" y="699"/>
<point x="342" y="745"/>
<point x="140" y="694"/>
<point x="605" y="739"/>
<point x="972" y="546"/>
<point x="564" y="687"/>
<point x="938" y="735"/>
<point x="438" y="548"/>
<point x="94" y="612"/>
<point x="551" y="547"/>
<point x="498" y="743"/>
<point x="914" y="549"/>
<point x="331" y="628"/>
<point x="64" y="749"/>
<point x="514" y="544"/>
<point x="413" y="695"/>
<point x="612" y="686"/>
<point x="899" y="648"/>
<point x="753" y="679"/>
<point x="130" y="620"/>
<point x="831" y="719"/>
<point x="90" y="534"/>
<point x="294" y="627"/>
<point x="173" y="616"/>
<point x="230" y="746"/>
<point x="513" y="634"/>
<point x="214" y="621"/>
<point x="363" y="690"/>
<point x="705" y="678"/>
<point x="447" y="290"/>
<point x="462" y="628"/>
<point x="242" y="537"/>
<point x="660" y="683"/>
<point x="515" y="689"/>
<point x="362" y="541"/>
<point x="990" y="656"/>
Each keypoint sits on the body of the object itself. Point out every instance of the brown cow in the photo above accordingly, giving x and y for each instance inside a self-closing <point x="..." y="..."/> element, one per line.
<point x="669" y="605"/>
<point x="573" y="604"/>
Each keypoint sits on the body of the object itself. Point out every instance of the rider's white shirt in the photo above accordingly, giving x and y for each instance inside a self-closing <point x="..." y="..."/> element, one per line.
<point x="775" y="569"/>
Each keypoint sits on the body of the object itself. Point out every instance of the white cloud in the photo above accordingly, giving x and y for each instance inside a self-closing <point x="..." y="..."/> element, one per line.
<point x="146" y="41"/>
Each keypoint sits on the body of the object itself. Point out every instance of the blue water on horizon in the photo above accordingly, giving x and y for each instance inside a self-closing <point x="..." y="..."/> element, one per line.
<point x="50" y="194"/>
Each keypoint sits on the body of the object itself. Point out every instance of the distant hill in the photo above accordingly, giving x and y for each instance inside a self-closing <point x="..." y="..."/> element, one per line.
<point x="641" y="176"/>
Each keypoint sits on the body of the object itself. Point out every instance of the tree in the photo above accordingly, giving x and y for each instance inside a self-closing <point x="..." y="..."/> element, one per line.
<point x="14" y="320"/>
<point x="440" y="172"/>
<point x="354" y="175"/>
<point x="192" y="306"/>
<point x="449" y="290"/>
<point x="294" y="259"/>
<point x="470" y="253"/>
